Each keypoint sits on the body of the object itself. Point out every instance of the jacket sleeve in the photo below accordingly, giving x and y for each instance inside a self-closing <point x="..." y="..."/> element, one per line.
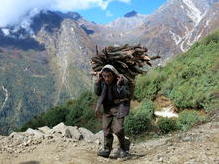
<point x="97" y="88"/>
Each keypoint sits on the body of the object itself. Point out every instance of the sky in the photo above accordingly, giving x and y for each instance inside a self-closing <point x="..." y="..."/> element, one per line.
<point x="99" y="11"/>
<point x="119" y="9"/>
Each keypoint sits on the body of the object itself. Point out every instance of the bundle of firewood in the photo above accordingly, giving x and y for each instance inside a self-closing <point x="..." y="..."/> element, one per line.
<point x="128" y="60"/>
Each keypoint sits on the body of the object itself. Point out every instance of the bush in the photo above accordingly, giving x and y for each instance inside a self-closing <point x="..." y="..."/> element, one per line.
<point x="55" y="116"/>
<point x="78" y="112"/>
<point x="167" y="125"/>
<point x="146" y="108"/>
<point x="81" y="108"/>
<point x="188" y="118"/>
<point x="147" y="86"/>
<point x="211" y="38"/>
<point x="140" y="121"/>
<point x="136" y="124"/>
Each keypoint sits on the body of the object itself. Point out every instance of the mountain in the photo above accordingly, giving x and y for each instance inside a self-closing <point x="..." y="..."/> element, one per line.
<point x="172" y="29"/>
<point x="42" y="64"/>
<point x="44" y="58"/>
<point x="189" y="81"/>
<point x="131" y="14"/>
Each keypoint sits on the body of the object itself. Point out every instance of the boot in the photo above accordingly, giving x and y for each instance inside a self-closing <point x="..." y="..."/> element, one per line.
<point x="122" y="151"/>
<point x="108" y="142"/>
<point x="123" y="142"/>
<point x="119" y="153"/>
<point x="104" y="153"/>
<point x="126" y="146"/>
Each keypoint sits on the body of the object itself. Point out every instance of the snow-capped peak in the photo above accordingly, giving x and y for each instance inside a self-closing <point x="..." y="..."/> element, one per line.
<point x="6" y="31"/>
<point x="23" y="25"/>
<point x="26" y="22"/>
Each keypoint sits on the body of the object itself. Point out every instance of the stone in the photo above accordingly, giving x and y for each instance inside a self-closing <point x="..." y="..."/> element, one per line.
<point x="99" y="137"/>
<point x="60" y="127"/>
<point x="75" y="133"/>
<point x="45" y="129"/>
<point x="187" y="139"/>
<point x="61" y="130"/>
<point x="16" y="135"/>
<point x="88" y="136"/>
<point x="36" y="133"/>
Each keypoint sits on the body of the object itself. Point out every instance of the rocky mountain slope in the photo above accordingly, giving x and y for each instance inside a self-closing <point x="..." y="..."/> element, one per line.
<point x="43" y="57"/>
<point x="67" y="144"/>
<point x="42" y="64"/>
<point x="172" y="29"/>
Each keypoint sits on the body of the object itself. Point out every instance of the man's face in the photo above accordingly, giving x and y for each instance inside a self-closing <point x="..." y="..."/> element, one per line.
<point x="108" y="77"/>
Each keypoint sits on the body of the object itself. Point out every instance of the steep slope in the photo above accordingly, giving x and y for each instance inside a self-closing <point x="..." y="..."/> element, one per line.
<point x="172" y="29"/>
<point x="194" y="75"/>
<point x="70" y="48"/>
<point x="27" y="86"/>
<point x="66" y="41"/>
<point x="42" y="64"/>
<point x="189" y="81"/>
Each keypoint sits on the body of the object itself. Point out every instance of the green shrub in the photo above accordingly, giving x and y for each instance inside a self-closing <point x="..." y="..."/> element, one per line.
<point x="166" y="125"/>
<point x="147" y="86"/>
<point x="188" y="118"/>
<point x="146" y="108"/>
<point x="55" y="116"/>
<point x="78" y="112"/>
<point x="81" y="108"/>
<point x="211" y="38"/>
<point x="136" y="124"/>
<point x="140" y="121"/>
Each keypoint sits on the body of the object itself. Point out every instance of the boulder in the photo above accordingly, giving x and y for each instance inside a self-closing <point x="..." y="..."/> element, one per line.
<point x="17" y="135"/>
<point x="61" y="130"/>
<point x="35" y="133"/>
<point x="99" y="137"/>
<point x="75" y="133"/>
<point x="60" y="127"/>
<point x="45" y="129"/>
<point x="88" y="136"/>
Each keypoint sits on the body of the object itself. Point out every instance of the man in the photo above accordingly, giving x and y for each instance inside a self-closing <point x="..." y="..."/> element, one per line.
<point x="114" y="94"/>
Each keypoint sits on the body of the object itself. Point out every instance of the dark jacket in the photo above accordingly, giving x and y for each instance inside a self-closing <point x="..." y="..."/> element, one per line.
<point x="113" y="96"/>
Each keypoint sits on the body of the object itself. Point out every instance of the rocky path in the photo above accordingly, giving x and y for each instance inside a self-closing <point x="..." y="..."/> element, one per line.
<point x="67" y="145"/>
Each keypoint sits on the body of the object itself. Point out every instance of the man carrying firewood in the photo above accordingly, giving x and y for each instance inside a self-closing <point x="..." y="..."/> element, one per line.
<point x="114" y="94"/>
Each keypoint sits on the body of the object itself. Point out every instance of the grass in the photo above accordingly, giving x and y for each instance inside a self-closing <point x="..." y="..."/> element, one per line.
<point x="190" y="81"/>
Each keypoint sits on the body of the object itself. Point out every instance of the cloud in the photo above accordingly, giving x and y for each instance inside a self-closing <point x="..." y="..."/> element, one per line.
<point x="12" y="11"/>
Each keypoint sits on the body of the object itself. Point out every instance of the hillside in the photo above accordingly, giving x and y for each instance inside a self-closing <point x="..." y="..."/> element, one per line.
<point x="190" y="82"/>
<point x="42" y="68"/>
<point x="170" y="30"/>
<point x="27" y="86"/>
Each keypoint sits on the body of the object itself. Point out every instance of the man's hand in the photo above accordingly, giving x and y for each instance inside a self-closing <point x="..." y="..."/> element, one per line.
<point x="98" y="113"/>
<point x="120" y="80"/>
<point x="99" y="77"/>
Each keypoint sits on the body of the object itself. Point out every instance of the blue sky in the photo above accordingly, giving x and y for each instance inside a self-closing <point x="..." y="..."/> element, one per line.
<point x="99" y="11"/>
<point x="117" y="9"/>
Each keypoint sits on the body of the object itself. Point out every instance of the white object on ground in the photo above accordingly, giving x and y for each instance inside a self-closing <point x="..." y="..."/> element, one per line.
<point x="166" y="112"/>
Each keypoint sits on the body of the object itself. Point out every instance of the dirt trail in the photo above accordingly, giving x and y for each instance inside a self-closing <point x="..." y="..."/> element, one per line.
<point x="197" y="146"/>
